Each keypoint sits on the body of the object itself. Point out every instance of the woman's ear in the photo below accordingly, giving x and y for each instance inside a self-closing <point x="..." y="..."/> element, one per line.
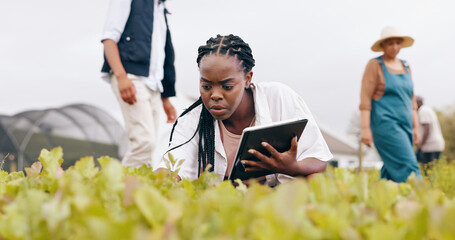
<point x="248" y="77"/>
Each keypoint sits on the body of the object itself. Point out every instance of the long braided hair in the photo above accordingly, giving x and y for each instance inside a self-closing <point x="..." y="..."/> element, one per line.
<point x="230" y="45"/>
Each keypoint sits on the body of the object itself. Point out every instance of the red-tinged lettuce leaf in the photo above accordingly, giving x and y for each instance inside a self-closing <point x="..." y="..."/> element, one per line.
<point x="34" y="170"/>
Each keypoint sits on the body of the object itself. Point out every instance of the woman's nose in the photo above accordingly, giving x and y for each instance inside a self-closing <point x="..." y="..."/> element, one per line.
<point x="216" y="95"/>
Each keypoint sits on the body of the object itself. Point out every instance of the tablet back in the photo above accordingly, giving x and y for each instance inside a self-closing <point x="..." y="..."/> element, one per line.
<point x="278" y="134"/>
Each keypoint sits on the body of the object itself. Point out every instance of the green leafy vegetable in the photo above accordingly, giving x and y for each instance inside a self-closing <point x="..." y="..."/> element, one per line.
<point x="114" y="202"/>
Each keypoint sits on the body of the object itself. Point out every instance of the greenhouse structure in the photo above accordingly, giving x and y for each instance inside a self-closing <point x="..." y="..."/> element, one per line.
<point x="81" y="130"/>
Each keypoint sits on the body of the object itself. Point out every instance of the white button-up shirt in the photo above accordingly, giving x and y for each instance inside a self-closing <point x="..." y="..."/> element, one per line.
<point x="273" y="102"/>
<point x="118" y="14"/>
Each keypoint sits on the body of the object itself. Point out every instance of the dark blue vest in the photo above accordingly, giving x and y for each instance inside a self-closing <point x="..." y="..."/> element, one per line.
<point x="135" y="46"/>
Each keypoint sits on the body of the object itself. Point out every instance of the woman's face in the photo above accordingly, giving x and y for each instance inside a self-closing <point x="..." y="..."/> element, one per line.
<point x="222" y="84"/>
<point x="392" y="47"/>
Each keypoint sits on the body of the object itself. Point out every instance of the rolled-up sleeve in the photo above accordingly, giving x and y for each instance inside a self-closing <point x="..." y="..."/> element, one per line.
<point x="369" y="82"/>
<point x="118" y="13"/>
<point x="312" y="143"/>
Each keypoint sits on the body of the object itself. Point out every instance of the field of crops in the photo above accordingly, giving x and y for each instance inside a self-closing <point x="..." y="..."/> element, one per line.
<point x="113" y="202"/>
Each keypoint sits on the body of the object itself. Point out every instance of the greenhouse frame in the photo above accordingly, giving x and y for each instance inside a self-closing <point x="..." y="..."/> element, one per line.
<point x="81" y="130"/>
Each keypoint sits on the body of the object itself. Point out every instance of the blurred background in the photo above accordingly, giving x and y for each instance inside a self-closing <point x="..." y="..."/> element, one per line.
<point x="51" y="54"/>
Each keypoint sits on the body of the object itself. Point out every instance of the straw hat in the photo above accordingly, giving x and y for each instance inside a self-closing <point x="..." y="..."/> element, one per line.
<point x="391" y="32"/>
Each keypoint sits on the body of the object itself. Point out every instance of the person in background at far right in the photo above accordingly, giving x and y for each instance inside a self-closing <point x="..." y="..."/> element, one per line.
<point x="388" y="107"/>
<point x="431" y="142"/>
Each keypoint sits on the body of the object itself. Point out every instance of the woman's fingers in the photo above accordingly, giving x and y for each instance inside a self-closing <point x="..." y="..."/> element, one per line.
<point x="293" y="145"/>
<point x="263" y="159"/>
<point x="273" y="152"/>
<point x="366" y="136"/>
<point x="367" y="141"/>
<point x="253" y="165"/>
<point x="276" y="158"/>
<point x="254" y="169"/>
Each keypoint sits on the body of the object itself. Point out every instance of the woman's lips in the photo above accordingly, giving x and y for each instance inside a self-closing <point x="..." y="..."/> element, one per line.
<point x="217" y="110"/>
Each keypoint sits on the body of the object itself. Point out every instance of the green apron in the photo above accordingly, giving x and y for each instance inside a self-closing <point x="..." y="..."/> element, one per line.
<point x="391" y="124"/>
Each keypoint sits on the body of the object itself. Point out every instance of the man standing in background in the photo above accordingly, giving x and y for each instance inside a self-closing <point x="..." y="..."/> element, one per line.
<point x="431" y="141"/>
<point x="139" y="64"/>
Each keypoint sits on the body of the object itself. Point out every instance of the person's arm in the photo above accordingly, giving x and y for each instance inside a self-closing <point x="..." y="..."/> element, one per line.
<point x="117" y="17"/>
<point x="370" y="80"/>
<point x="285" y="163"/>
<point x="415" y="116"/>
<point x="125" y="85"/>
<point x="415" y="126"/>
<point x="169" y="76"/>
<point x="365" y="132"/>
<point x="426" y="133"/>
<point x="169" y="109"/>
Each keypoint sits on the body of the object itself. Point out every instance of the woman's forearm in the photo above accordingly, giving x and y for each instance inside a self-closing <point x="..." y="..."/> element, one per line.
<point x="366" y="136"/>
<point x="365" y="119"/>
<point x="310" y="166"/>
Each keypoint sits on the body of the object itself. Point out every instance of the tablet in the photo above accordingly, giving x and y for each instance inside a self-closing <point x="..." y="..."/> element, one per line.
<point x="277" y="134"/>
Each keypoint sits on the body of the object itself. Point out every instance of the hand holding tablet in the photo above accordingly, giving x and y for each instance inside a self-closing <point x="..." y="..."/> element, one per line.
<point x="277" y="135"/>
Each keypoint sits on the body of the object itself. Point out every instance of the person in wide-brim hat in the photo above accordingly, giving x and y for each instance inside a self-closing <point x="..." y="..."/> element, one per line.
<point x="388" y="107"/>
<point x="392" y="32"/>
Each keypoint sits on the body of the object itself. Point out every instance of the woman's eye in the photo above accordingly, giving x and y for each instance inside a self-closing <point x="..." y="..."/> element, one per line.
<point x="227" y="87"/>
<point x="206" y="87"/>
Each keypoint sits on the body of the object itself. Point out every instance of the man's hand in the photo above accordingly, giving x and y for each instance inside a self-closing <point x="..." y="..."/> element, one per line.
<point x="169" y="110"/>
<point x="285" y="163"/>
<point x="127" y="90"/>
<point x="125" y="85"/>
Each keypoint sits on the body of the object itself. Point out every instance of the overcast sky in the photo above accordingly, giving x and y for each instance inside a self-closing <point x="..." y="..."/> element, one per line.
<point x="51" y="55"/>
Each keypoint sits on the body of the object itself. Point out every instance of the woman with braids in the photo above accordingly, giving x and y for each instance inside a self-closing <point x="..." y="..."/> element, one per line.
<point x="208" y="132"/>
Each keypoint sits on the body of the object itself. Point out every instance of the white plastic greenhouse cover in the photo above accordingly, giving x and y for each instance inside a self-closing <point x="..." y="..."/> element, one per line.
<point x="80" y="129"/>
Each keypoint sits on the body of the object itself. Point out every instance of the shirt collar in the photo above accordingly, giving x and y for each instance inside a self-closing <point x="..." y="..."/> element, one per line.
<point x="261" y="107"/>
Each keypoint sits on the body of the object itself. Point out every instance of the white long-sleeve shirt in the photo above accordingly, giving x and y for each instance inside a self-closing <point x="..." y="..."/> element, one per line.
<point x="273" y="102"/>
